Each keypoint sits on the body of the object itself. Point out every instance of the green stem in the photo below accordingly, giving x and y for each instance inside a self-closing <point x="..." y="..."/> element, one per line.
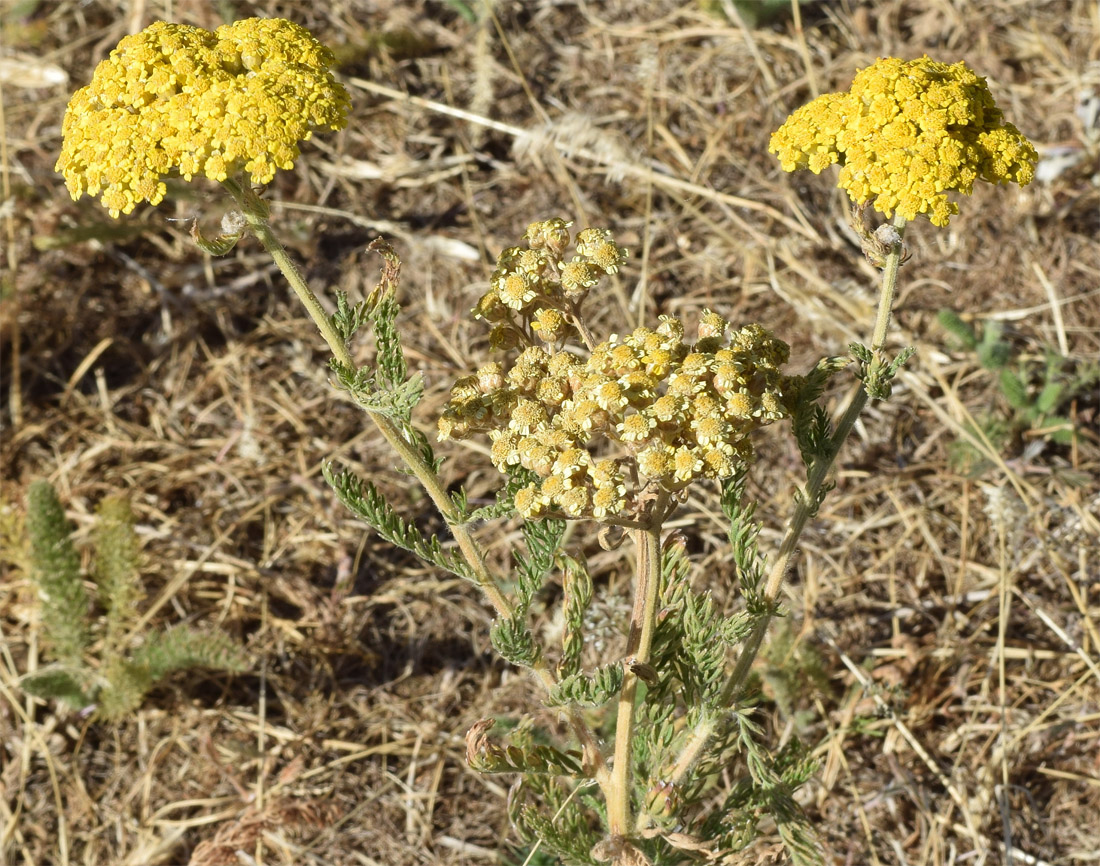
<point x="643" y="621"/>
<point x="810" y="499"/>
<point x="256" y="212"/>
<point x="889" y="287"/>
<point x="710" y="724"/>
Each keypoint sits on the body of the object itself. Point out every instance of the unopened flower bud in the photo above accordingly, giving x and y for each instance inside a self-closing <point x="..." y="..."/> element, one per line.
<point x="662" y="800"/>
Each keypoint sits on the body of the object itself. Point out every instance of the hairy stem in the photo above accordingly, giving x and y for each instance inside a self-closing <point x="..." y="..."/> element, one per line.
<point x="811" y="494"/>
<point x="710" y="724"/>
<point x="255" y="211"/>
<point x="693" y="748"/>
<point x="639" y="643"/>
<point x="889" y="287"/>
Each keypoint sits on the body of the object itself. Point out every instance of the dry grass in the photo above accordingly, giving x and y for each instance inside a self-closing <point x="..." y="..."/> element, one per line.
<point x="968" y="606"/>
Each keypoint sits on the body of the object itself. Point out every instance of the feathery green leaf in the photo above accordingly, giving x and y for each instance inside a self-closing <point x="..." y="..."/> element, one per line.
<point x="55" y="569"/>
<point x="365" y="500"/>
<point x="511" y="637"/>
<point x="588" y="689"/>
<point x="72" y="686"/>
<point x="116" y="569"/>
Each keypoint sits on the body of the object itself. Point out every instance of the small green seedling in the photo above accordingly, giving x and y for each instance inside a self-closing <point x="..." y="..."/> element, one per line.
<point x="93" y="662"/>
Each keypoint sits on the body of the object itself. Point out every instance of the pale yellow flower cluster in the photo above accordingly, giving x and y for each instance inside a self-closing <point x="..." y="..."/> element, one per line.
<point x="536" y="291"/>
<point x="905" y="134"/>
<point x="644" y="411"/>
<point x="175" y="98"/>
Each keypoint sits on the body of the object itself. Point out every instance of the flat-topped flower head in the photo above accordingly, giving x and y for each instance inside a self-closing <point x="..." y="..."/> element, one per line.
<point x="905" y="134"/>
<point x="179" y="99"/>
<point x="644" y="412"/>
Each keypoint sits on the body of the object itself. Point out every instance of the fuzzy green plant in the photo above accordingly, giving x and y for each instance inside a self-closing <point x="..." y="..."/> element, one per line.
<point x="661" y="756"/>
<point x="1037" y="391"/>
<point x="93" y="665"/>
<point x="55" y="569"/>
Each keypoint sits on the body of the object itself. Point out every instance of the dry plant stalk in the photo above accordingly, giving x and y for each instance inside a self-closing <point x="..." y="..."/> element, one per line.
<point x="613" y="430"/>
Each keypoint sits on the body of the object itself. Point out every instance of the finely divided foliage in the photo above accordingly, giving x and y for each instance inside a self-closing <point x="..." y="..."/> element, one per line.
<point x="386" y="387"/>
<point x="363" y="498"/>
<point x="94" y="663"/>
<point x="658" y="752"/>
<point x="56" y="572"/>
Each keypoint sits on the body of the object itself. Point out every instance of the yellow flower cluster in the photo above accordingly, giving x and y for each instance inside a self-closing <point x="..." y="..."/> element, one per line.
<point x="175" y="98"/>
<point x="644" y="411"/>
<point x="537" y="291"/>
<point x="905" y="134"/>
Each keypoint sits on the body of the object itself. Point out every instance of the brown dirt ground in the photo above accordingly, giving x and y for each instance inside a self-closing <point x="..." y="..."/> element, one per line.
<point x="197" y="387"/>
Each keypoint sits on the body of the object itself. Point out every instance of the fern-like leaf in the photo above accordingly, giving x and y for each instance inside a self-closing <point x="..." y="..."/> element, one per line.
<point x="116" y="570"/>
<point x="365" y="500"/>
<point x="513" y="640"/>
<point x="1015" y="390"/>
<point x="588" y="689"/>
<point x="743" y="533"/>
<point x="387" y="388"/>
<point x="375" y="395"/>
<point x="951" y="322"/>
<point x="71" y="686"/>
<point x="576" y="597"/>
<point x="542" y="811"/>
<point x="769" y="790"/>
<point x="542" y="539"/>
<point x="180" y="648"/>
<point x="55" y="569"/>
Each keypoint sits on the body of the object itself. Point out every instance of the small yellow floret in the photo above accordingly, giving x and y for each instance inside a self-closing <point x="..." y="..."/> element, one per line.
<point x="905" y="134"/>
<point x="175" y="98"/>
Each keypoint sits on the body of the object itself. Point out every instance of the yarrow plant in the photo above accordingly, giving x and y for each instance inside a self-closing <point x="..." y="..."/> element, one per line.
<point x="661" y="758"/>
<point x="93" y="667"/>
